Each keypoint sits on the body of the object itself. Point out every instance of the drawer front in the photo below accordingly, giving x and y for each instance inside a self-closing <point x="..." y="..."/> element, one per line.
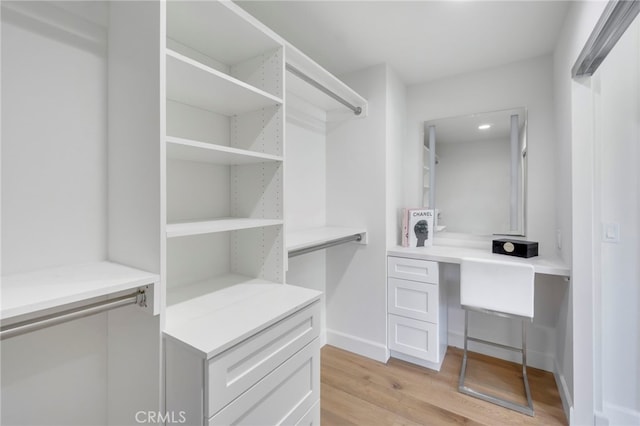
<point x="312" y="418"/>
<point x="413" y="299"/>
<point x="237" y="369"/>
<point x="282" y="398"/>
<point x="425" y="271"/>
<point x="412" y="337"/>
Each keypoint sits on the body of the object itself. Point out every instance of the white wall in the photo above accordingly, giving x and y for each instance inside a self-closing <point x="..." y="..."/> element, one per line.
<point x="396" y="138"/>
<point x="474" y="186"/>
<point x="616" y="91"/>
<point x="356" y="182"/>
<point x="523" y="84"/>
<point x="574" y="197"/>
<point x="306" y="194"/>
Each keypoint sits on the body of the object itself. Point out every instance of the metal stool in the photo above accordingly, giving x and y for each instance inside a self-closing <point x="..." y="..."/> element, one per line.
<point x="504" y="289"/>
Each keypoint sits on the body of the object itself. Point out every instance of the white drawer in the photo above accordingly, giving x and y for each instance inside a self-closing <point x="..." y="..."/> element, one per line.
<point x="312" y="417"/>
<point x="281" y="398"/>
<point x="424" y="271"/>
<point x="413" y="299"/>
<point x="237" y="369"/>
<point x="418" y="339"/>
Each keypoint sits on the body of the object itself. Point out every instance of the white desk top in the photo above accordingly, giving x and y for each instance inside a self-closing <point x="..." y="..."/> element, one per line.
<point x="451" y="254"/>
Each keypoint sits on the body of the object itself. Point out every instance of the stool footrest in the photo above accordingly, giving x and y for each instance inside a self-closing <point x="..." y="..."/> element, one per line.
<point x="497" y="345"/>
<point x="524" y="409"/>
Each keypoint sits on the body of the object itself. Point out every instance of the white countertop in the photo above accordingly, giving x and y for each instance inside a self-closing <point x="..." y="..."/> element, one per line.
<point x="452" y="254"/>
<point x="216" y="321"/>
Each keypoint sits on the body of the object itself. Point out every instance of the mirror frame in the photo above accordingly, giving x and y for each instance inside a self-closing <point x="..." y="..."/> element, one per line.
<point x="430" y="135"/>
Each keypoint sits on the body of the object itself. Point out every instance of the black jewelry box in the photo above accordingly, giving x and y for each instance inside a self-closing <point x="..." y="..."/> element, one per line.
<point x="515" y="247"/>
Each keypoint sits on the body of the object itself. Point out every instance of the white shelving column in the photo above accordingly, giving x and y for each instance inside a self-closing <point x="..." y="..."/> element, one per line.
<point x="224" y="150"/>
<point x="241" y="346"/>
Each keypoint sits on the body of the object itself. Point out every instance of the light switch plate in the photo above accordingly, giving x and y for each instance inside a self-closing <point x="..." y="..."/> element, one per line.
<point x="611" y="232"/>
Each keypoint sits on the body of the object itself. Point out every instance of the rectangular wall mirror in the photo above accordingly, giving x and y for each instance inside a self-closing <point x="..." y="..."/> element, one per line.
<point x="475" y="172"/>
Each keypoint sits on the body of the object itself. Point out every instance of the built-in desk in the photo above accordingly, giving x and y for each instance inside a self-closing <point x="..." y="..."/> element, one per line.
<point x="417" y="301"/>
<point x="451" y="254"/>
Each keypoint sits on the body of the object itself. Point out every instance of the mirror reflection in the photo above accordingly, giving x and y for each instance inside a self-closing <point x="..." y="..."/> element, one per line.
<point x="475" y="170"/>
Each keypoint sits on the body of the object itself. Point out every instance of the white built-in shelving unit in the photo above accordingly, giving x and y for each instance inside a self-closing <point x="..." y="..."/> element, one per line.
<point x="229" y="313"/>
<point x="80" y="210"/>
<point x="224" y="140"/>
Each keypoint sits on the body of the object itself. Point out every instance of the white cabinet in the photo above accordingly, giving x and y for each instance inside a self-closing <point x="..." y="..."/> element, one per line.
<point x="417" y="311"/>
<point x="265" y="369"/>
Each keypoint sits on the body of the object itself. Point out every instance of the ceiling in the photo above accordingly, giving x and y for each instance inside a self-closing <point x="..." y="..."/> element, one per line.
<point x="421" y="40"/>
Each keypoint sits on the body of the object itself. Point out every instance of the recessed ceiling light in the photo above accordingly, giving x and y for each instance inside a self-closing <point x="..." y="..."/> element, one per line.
<point x="484" y="126"/>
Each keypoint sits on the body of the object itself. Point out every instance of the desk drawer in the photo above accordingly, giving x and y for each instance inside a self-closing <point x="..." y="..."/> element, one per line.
<point x="282" y="398"/>
<point x="239" y="368"/>
<point x="418" y="339"/>
<point x="424" y="271"/>
<point x="413" y="299"/>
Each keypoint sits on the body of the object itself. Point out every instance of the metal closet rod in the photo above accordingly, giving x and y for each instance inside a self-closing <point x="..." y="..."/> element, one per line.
<point x="37" y="323"/>
<point x="338" y="241"/>
<point x="615" y="19"/>
<point x="295" y="71"/>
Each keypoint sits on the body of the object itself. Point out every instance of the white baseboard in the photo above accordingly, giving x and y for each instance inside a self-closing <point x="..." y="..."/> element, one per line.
<point x="620" y="416"/>
<point x="430" y="365"/>
<point x="366" y="348"/>
<point x="541" y="360"/>
<point x="563" y="390"/>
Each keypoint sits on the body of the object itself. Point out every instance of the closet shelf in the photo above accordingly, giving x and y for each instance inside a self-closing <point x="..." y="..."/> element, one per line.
<point x="45" y="289"/>
<point x="184" y="149"/>
<point x="232" y="39"/>
<point x="235" y="312"/>
<point x="195" y="84"/>
<point x="302" y="89"/>
<point x="307" y="238"/>
<point x="183" y="229"/>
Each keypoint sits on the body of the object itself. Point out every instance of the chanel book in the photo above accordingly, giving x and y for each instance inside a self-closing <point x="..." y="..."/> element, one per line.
<point x="420" y="227"/>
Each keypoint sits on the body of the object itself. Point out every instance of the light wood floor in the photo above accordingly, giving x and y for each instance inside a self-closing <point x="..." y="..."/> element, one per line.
<point x="360" y="391"/>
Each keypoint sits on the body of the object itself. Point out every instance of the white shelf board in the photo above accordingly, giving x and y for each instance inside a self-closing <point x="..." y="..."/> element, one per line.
<point x="195" y="84"/>
<point x="314" y="96"/>
<point x="183" y="229"/>
<point x="313" y="236"/>
<point x="45" y="289"/>
<point x="213" y="322"/>
<point x="184" y="149"/>
<point x="219" y="30"/>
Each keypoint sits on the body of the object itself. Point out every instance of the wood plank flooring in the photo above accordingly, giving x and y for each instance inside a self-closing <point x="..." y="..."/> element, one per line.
<point x="359" y="391"/>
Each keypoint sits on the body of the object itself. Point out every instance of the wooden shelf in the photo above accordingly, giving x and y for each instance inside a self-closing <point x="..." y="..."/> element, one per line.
<point x="183" y="229"/>
<point x="185" y="149"/>
<point x="220" y="30"/>
<point x="236" y="312"/>
<point x="46" y="289"/>
<point x="313" y="236"/>
<point x="195" y="84"/>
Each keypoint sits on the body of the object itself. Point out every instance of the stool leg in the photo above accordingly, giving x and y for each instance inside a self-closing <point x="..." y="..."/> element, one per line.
<point x="525" y="378"/>
<point x="524" y="409"/>
<point x="463" y="369"/>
